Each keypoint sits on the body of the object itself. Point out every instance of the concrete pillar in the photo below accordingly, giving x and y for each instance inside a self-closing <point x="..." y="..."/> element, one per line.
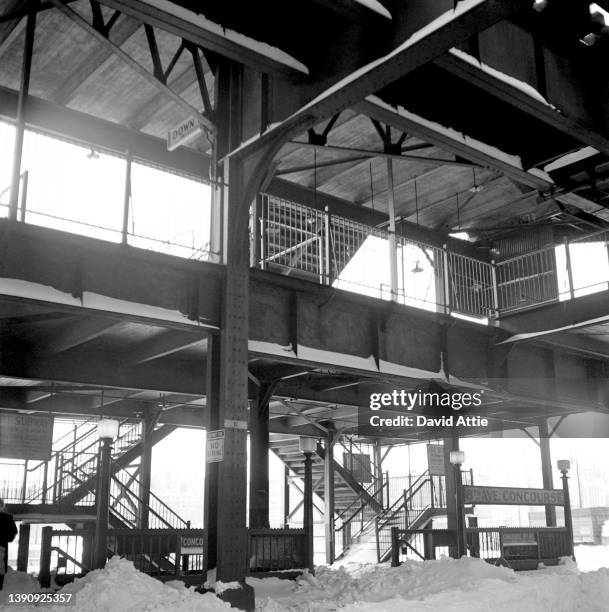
<point x="546" y="468"/>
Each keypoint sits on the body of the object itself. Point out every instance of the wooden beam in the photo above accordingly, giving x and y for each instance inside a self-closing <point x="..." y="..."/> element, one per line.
<point x="482" y="154"/>
<point x="353" y="11"/>
<point x="142" y="115"/>
<point x="129" y="61"/>
<point x="319" y="200"/>
<point x="370" y="153"/>
<point x="80" y="332"/>
<point x="161" y="345"/>
<point x="92" y="62"/>
<point x="9" y="33"/>
<point x="453" y="27"/>
<point x="88" y="130"/>
<point x="521" y="100"/>
<point x="181" y="23"/>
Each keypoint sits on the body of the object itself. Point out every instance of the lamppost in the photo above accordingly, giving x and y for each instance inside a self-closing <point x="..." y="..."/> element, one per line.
<point x="308" y="446"/>
<point x="457" y="458"/>
<point x="107" y="430"/>
<point x="564" y="465"/>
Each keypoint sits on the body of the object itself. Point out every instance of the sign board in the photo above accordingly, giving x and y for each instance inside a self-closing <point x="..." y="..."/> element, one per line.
<point x="183" y="133"/>
<point x="519" y="538"/>
<point x="512" y="496"/>
<point x="435" y="459"/>
<point x="214" y="449"/>
<point x="359" y="465"/>
<point x="26" y="436"/>
<point x="191" y="545"/>
<point x="234" y="424"/>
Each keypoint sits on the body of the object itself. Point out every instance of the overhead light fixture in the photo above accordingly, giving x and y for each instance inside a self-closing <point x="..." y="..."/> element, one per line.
<point x="417" y="268"/>
<point x="93" y="154"/>
<point x="107" y="429"/>
<point x="307" y="445"/>
<point x="457" y="457"/>
<point x="589" y="39"/>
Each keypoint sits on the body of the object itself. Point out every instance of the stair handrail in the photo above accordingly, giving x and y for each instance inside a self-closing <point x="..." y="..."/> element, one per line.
<point x="169" y="511"/>
<point x="403" y="500"/>
<point x="361" y="465"/>
<point x="364" y="499"/>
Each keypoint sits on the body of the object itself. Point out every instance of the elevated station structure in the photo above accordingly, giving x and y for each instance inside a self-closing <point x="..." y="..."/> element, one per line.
<point x="334" y="136"/>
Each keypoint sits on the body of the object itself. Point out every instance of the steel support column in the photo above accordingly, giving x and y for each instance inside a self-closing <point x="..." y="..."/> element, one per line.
<point x="23" y="548"/>
<point x="20" y="132"/>
<point x="546" y="468"/>
<point x="452" y="514"/>
<point x="308" y="511"/>
<point x="102" y="503"/>
<point x="145" y="471"/>
<point x="393" y="252"/>
<point x="232" y="544"/>
<point x="329" y="498"/>
<point x="259" y="459"/>
<point x="210" y="500"/>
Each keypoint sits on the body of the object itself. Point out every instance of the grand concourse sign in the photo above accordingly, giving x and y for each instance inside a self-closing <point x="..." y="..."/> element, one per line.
<point x="511" y="496"/>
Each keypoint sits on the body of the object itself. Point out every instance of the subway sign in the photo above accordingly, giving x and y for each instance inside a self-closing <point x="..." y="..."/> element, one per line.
<point x="512" y="496"/>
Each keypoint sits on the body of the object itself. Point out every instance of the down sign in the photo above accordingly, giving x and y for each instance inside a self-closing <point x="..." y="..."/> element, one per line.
<point x="183" y="133"/>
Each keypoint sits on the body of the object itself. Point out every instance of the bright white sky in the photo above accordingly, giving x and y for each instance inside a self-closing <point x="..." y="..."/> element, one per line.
<point x="66" y="181"/>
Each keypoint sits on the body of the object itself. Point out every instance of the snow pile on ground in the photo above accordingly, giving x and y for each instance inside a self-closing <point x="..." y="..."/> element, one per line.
<point x="590" y="558"/>
<point x="18" y="582"/>
<point x="464" y="585"/>
<point x="119" y="587"/>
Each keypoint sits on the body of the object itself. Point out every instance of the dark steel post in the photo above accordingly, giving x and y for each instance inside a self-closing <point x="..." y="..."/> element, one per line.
<point x="286" y="496"/>
<point x="23" y="94"/>
<point x="567" y="507"/>
<point x="103" y="504"/>
<point x="308" y="509"/>
<point x="461" y="543"/>
<point x="546" y="468"/>
<point x="145" y="472"/>
<point x="126" y="199"/>
<point x="329" y="498"/>
<point x="259" y="459"/>
<point x="23" y="548"/>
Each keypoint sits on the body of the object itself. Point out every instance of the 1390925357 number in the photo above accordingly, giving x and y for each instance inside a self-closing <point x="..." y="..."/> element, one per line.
<point x="40" y="598"/>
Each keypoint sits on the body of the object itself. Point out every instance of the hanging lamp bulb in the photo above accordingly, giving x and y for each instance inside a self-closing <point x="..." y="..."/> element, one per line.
<point x="417" y="268"/>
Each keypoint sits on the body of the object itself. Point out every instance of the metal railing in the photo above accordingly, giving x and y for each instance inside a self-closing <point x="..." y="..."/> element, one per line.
<point x="277" y="550"/>
<point x="516" y="547"/>
<point x="425" y="496"/>
<point x="157" y="552"/>
<point x="163" y="553"/>
<point x="332" y="250"/>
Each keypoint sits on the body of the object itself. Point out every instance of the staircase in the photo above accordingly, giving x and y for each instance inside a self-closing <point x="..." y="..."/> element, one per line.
<point x="358" y="493"/>
<point x="363" y="513"/>
<point x="67" y="481"/>
<point x="420" y="503"/>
